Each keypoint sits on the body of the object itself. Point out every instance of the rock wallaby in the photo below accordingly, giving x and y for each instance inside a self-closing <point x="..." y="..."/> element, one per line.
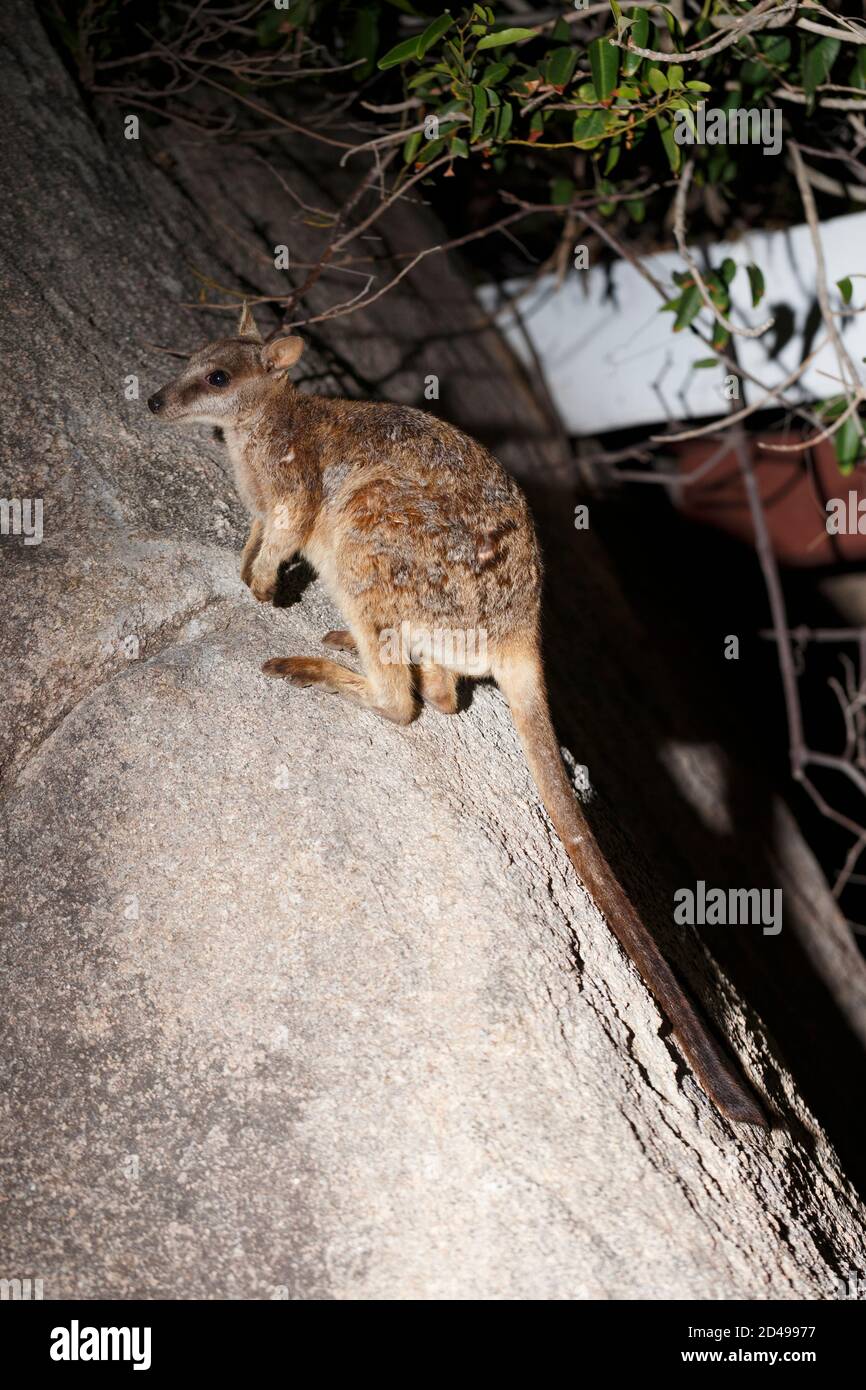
<point x="414" y="529"/>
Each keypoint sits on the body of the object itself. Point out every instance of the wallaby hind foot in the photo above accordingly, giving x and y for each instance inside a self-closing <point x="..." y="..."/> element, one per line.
<point x="395" y="704"/>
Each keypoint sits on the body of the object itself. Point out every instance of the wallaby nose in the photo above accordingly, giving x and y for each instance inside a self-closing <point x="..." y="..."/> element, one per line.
<point x="156" y="403"/>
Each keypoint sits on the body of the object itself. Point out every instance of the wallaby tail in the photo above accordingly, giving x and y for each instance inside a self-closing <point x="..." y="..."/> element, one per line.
<point x="522" y="681"/>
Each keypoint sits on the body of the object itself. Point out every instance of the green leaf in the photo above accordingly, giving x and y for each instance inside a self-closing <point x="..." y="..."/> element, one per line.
<point x="269" y="28"/>
<point x="431" y="151"/>
<point x="561" y="192"/>
<point x="613" y="155"/>
<point x="459" y="148"/>
<point x="728" y="270"/>
<point x="639" y="33"/>
<point x="560" y="66"/>
<point x="718" y="166"/>
<point x="657" y="80"/>
<point x="411" y="147"/>
<point x="718" y="290"/>
<point x="755" y="74"/>
<point x="699" y="86"/>
<point x="756" y="284"/>
<point x="672" y="149"/>
<point x="606" y="209"/>
<point x="479" y="112"/>
<point x="776" y="48"/>
<point x="363" y="41"/>
<point x="673" y="24"/>
<point x="690" y="119"/>
<point x="846" y="289"/>
<point x="622" y="24"/>
<point x="504" y="121"/>
<point x="846" y="442"/>
<point x="433" y="32"/>
<point x="494" y="74"/>
<point x="858" y="72"/>
<point x="604" y="63"/>
<point x="704" y="362"/>
<point x="588" y="125"/>
<point x="817" y="63"/>
<point x="769" y="63"/>
<point x="675" y="76"/>
<point x="690" y="306"/>
<point x="721" y="336"/>
<point x="832" y="408"/>
<point x="504" y="36"/>
<point x="636" y="209"/>
<point x="400" y="53"/>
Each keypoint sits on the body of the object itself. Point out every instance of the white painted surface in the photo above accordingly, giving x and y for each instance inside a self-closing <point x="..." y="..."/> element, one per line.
<point x="612" y="360"/>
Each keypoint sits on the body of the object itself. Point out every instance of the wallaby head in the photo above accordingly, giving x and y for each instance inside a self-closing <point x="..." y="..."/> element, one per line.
<point x="227" y="378"/>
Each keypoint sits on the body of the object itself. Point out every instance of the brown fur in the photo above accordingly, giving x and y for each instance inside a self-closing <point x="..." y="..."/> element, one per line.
<point x="413" y="528"/>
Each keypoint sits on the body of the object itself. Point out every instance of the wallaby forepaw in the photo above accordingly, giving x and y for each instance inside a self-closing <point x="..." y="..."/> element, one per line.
<point x="263" y="588"/>
<point x="340" y="639"/>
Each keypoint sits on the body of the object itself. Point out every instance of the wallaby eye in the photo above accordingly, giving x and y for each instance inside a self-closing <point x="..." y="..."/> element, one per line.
<point x="218" y="379"/>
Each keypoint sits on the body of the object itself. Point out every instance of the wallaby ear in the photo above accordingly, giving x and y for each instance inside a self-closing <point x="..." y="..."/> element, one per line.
<point x="247" y="324"/>
<point x="282" y="353"/>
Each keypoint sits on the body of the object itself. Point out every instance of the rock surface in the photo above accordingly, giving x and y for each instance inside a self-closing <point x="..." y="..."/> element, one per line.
<point x="298" y="1003"/>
